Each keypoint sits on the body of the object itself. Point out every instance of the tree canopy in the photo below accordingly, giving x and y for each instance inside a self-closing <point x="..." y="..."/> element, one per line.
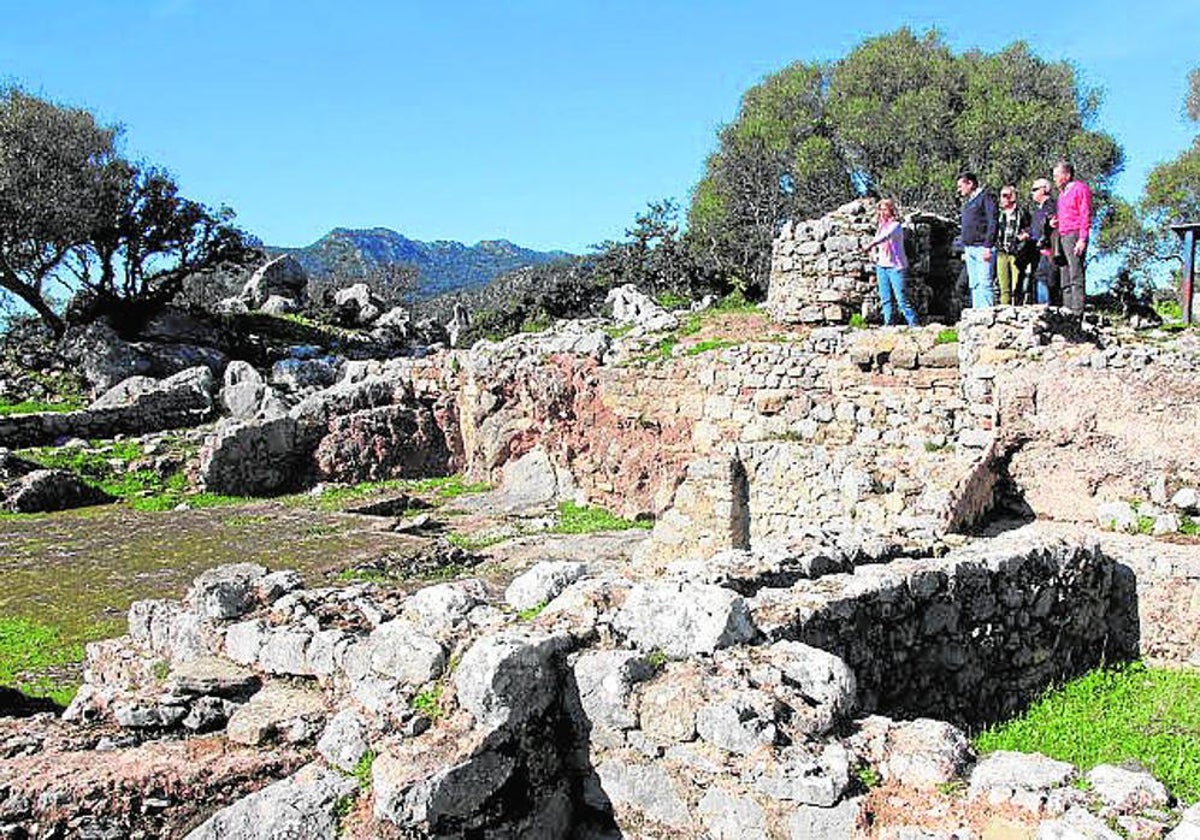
<point x="76" y="215"/>
<point x="1141" y="232"/>
<point x="901" y="115"/>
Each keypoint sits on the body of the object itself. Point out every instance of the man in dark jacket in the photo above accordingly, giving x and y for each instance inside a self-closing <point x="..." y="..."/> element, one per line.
<point x="1045" y="271"/>
<point x="978" y="238"/>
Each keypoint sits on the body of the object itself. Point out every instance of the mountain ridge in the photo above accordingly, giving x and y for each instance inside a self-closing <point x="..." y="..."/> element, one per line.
<point x="386" y="259"/>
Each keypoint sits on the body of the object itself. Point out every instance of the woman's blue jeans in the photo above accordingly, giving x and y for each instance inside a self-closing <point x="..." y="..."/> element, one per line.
<point x="893" y="295"/>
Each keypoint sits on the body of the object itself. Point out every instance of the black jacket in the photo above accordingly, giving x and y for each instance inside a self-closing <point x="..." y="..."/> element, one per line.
<point x="979" y="220"/>
<point x="1039" y="229"/>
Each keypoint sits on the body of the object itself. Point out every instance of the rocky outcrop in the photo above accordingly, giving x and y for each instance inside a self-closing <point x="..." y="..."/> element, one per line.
<point x="639" y="702"/>
<point x="282" y="278"/>
<point x="143" y="405"/>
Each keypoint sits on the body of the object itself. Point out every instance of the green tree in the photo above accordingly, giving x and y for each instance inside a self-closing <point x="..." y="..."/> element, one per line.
<point x="52" y="163"/>
<point x="75" y="215"/>
<point x="900" y="115"/>
<point x="1171" y="195"/>
<point x="777" y="160"/>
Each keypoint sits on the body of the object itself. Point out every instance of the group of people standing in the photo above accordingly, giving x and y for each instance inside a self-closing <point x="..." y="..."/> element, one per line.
<point x="1033" y="255"/>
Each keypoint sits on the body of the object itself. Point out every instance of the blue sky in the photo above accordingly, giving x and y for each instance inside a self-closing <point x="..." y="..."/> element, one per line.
<point x="547" y="123"/>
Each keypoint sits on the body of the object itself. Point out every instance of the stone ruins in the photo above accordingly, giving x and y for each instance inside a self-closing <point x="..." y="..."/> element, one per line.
<point x="866" y="544"/>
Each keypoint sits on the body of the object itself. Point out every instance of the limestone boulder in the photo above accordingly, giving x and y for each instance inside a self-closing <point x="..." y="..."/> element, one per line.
<point x="281" y="277"/>
<point x="507" y="678"/>
<point x="42" y="491"/>
<point x="391" y="441"/>
<point x="305" y="806"/>
<point x="684" y="619"/>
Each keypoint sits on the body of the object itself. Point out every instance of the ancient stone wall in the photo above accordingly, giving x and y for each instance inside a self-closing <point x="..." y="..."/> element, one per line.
<point x="820" y="274"/>
<point x="180" y="401"/>
<point x="971" y="637"/>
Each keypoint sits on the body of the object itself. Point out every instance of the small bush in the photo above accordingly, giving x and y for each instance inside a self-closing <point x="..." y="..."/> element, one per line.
<point x="857" y="321"/>
<point x="532" y="612"/>
<point x="949" y="336"/>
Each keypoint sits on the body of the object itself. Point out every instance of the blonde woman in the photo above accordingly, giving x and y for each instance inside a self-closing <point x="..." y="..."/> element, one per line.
<point x="891" y="265"/>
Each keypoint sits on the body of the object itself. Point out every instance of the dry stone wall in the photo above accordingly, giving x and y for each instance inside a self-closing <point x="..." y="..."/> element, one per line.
<point x="178" y="401"/>
<point x="821" y="275"/>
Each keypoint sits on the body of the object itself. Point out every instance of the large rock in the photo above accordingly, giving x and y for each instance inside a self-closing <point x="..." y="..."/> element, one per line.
<point x="255" y="457"/>
<point x="684" y="619"/>
<point x="630" y="306"/>
<point x="42" y="491"/>
<point x="508" y="678"/>
<point x="291" y="714"/>
<point x="391" y="441"/>
<point x="281" y="277"/>
<point x="305" y="806"/>
<point x="636" y="792"/>
<point x="455" y="792"/>
<point x="542" y="583"/>
<point x="226" y="592"/>
<point x="357" y="305"/>
<point x="605" y="680"/>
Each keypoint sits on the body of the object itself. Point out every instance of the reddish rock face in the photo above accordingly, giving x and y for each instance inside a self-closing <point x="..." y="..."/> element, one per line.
<point x="162" y="789"/>
<point x="387" y="442"/>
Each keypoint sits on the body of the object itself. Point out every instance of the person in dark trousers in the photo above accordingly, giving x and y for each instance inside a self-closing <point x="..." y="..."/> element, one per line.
<point x="1073" y="221"/>
<point x="978" y="238"/>
<point x="1041" y="236"/>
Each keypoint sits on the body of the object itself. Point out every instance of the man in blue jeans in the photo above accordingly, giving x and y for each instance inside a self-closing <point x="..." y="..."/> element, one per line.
<point x="978" y="238"/>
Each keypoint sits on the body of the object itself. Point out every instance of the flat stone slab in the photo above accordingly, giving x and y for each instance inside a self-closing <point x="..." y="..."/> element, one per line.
<point x="291" y="714"/>
<point x="212" y="675"/>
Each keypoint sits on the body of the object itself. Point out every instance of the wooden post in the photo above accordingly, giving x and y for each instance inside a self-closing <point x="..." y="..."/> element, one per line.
<point x="1189" y="273"/>
<point x="1187" y="285"/>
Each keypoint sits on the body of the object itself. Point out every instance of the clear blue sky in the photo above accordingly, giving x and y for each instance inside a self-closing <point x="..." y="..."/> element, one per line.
<point x="546" y="122"/>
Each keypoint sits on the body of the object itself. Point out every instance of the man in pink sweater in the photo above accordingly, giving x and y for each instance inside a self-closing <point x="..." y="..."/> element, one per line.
<point x="1074" y="225"/>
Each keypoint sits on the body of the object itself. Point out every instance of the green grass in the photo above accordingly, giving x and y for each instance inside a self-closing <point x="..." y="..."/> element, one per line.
<point x="1112" y="715"/>
<point x="671" y="300"/>
<point x="711" y="344"/>
<point x="366" y="576"/>
<point x="1169" y="310"/>
<point x="1188" y="526"/>
<point x="362" y="770"/>
<point x="573" y="519"/>
<point x="442" y="488"/>
<point x="429" y="702"/>
<point x="473" y="542"/>
<point x="857" y="321"/>
<point x="35" y="407"/>
<point x="618" y="330"/>
<point x="27" y="646"/>
<point x="949" y="336"/>
<point x="533" y="612"/>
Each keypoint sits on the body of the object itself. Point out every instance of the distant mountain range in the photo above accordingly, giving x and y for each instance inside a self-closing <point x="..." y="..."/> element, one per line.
<point x="409" y="267"/>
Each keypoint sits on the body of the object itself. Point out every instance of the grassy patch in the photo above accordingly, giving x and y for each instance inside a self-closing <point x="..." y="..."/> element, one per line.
<point x="573" y="519"/>
<point x="1169" y="310"/>
<point x="35" y="407"/>
<point x="475" y="542"/>
<point x="429" y="702"/>
<point x="618" y="330"/>
<point x="28" y="650"/>
<point x="1188" y="526"/>
<point x="671" y="300"/>
<point x="1113" y="715"/>
<point x="857" y="321"/>
<point x="442" y="488"/>
<point x="366" y="576"/>
<point x="362" y="770"/>
<point x="531" y="613"/>
<point x="949" y="336"/>
<point x="711" y="344"/>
